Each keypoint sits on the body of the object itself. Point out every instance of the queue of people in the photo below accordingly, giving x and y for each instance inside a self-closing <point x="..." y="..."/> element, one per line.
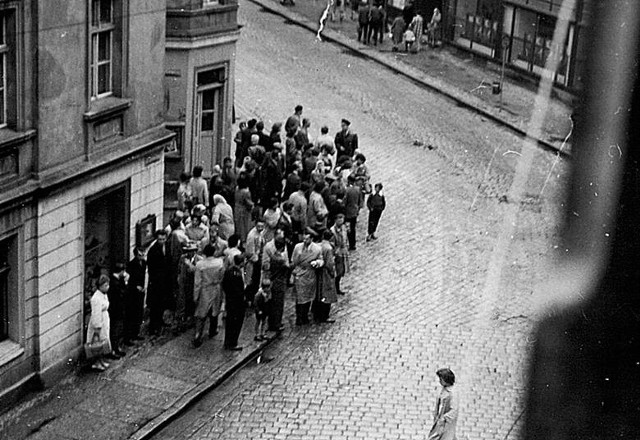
<point x="281" y="217"/>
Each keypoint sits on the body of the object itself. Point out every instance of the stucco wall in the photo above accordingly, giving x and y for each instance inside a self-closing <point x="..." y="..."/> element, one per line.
<point x="61" y="249"/>
<point x="17" y="355"/>
<point x="63" y="75"/>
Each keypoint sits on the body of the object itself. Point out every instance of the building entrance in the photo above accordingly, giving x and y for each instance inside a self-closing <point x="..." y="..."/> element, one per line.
<point x="106" y="237"/>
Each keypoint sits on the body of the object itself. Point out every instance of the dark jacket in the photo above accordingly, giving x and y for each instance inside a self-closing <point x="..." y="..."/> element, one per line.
<point x="352" y="202"/>
<point x="159" y="275"/>
<point x="376" y="202"/>
<point x="364" y="15"/>
<point x="136" y="270"/>
<point x="346" y="144"/>
<point x="233" y="287"/>
<point x="116" y="295"/>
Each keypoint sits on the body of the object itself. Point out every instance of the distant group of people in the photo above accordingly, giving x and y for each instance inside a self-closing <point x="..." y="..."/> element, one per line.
<point x="407" y="28"/>
<point x="281" y="216"/>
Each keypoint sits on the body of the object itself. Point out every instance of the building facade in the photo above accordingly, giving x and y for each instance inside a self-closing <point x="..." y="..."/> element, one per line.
<point x="522" y="31"/>
<point x="82" y="140"/>
<point x="199" y="78"/>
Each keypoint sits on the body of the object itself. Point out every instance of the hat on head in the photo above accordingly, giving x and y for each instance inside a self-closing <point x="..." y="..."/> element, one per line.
<point x="277" y="146"/>
<point x="346" y="121"/>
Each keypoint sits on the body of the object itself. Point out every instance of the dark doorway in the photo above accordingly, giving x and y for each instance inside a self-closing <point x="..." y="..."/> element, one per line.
<point x="106" y="236"/>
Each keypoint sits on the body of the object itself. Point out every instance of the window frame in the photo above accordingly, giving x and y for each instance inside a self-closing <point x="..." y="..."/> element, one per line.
<point x="98" y="29"/>
<point x="9" y="78"/>
<point x="113" y="30"/>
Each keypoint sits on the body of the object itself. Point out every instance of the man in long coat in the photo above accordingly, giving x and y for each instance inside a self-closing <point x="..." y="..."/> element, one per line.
<point x="159" y="294"/>
<point x="307" y="257"/>
<point x="134" y="299"/>
<point x="275" y="267"/>
<point x="326" y="292"/>
<point x="233" y="286"/>
<point x="207" y="293"/>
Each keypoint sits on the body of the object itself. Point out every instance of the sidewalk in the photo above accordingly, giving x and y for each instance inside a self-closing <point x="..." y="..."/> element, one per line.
<point x="137" y="395"/>
<point x="459" y="75"/>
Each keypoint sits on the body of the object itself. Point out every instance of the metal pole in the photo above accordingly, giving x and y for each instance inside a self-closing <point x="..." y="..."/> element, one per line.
<point x="504" y="60"/>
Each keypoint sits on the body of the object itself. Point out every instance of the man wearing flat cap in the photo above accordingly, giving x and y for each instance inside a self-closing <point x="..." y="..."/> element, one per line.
<point x="346" y="142"/>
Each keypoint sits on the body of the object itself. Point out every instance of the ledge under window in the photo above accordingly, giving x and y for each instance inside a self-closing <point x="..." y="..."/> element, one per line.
<point x="105" y="107"/>
<point x="10" y="138"/>
<point x="9" y="351"/>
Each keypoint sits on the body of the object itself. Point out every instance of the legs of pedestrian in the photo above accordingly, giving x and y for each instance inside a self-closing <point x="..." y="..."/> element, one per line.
<point x="351" y="234"/>
<point x="213" y="325"/>
<point x="302" y="313"/>
<point x="374" y="219"/>
<point x="155" y="319"/>
<point x="197" y="339"/>
<point x="277" y="308"/>
<point x="338" y="290"/>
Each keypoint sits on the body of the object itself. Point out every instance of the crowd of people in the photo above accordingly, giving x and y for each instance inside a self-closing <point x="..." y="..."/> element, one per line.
<point x="405" y="29"/>
<point x="280" y="217"/>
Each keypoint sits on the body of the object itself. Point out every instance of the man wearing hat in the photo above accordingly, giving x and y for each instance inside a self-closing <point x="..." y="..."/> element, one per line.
<point x="306" y="258"/>
<point x="346" y="142"/>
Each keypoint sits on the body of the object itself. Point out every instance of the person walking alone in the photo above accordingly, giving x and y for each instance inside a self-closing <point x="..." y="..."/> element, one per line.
<point x="376" y="204"/>
<point x="445" y="415"/>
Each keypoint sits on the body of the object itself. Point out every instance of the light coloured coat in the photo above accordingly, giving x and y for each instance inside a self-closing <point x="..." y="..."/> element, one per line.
<point x="445" y="416"/>
<point x="304" y="272"/>
<point x="99" y="321"/>
<point x="207" y="293"/>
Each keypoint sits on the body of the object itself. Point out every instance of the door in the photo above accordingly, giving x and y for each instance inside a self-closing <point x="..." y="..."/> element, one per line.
<point x="207" y="128"/>
<point x="106" y="237"/>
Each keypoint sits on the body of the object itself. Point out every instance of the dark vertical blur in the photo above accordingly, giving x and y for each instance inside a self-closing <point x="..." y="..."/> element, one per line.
<point x="584" y="376"/>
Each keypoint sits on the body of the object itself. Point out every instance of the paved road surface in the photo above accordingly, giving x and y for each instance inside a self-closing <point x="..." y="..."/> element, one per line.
<point x="417" y="299"/>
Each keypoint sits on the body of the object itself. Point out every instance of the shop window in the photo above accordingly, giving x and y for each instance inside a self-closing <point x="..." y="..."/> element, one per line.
<point x="105" y="51"/>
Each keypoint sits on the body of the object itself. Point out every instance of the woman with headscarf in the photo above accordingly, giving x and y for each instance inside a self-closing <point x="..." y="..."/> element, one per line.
<point x="223" y="215"/>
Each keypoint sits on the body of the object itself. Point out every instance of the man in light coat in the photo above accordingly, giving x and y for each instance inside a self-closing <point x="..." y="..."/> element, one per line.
<point x="207" y="293"/>
<point x="307" y="257"/>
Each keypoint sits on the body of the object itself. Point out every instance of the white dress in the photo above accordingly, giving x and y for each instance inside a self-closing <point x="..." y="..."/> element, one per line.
<point x="99" y="321"/>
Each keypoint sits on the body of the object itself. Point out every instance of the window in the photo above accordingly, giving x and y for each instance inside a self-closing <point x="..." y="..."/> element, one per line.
<point x="7" y="68"/>
<point x="105" y="40"/>
<point x="5" y="271"/>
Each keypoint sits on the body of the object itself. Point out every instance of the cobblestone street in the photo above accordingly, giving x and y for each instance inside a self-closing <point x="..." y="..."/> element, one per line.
<point x="416" y="297"/>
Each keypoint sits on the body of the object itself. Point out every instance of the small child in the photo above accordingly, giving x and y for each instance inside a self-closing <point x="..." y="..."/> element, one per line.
<point x="375" y="204"/>
<point x="261" y="305"/>
<point x="409" y="39"/>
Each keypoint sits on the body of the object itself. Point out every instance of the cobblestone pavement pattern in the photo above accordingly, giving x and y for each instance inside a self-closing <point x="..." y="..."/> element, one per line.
<point x="416" y="295"/>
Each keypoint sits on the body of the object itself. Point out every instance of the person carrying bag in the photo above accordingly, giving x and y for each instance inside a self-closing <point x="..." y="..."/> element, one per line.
<point x="98" y="344"/>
